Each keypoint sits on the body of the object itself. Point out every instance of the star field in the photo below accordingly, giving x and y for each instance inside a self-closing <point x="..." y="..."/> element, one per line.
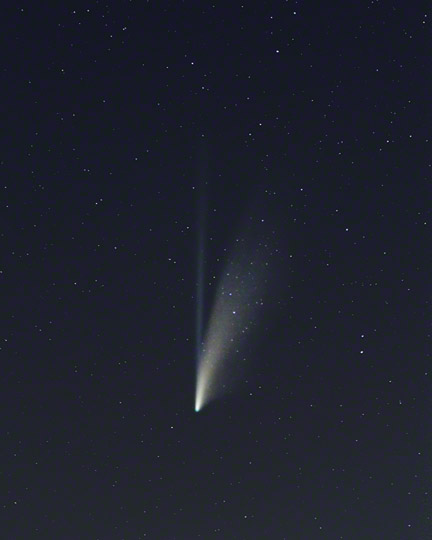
<point x="318" y="113"/>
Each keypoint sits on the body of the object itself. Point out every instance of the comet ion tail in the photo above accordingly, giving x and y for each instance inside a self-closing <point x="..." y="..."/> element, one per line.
<point x="238" y="300"/>
<point x="201" y="228"/>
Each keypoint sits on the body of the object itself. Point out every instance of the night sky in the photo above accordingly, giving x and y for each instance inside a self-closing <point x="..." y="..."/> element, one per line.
<point x="287" y="144"/>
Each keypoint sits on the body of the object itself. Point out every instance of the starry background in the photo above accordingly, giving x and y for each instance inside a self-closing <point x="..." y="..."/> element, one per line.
<point x="322" y="108"/>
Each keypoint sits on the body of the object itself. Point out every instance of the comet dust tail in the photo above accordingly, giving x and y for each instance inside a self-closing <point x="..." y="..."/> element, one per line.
<point x="235" y="312"/>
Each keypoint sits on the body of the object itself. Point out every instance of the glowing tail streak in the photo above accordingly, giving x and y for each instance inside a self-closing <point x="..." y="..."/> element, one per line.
<point x="237" y="302"/>
<point x="200" y="273"/>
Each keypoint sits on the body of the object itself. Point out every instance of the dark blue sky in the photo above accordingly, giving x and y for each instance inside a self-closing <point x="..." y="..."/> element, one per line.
<point x="315" y="117"/>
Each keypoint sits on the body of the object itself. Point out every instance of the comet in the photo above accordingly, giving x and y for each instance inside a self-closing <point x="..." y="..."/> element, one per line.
<point x="238" y="302"/>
